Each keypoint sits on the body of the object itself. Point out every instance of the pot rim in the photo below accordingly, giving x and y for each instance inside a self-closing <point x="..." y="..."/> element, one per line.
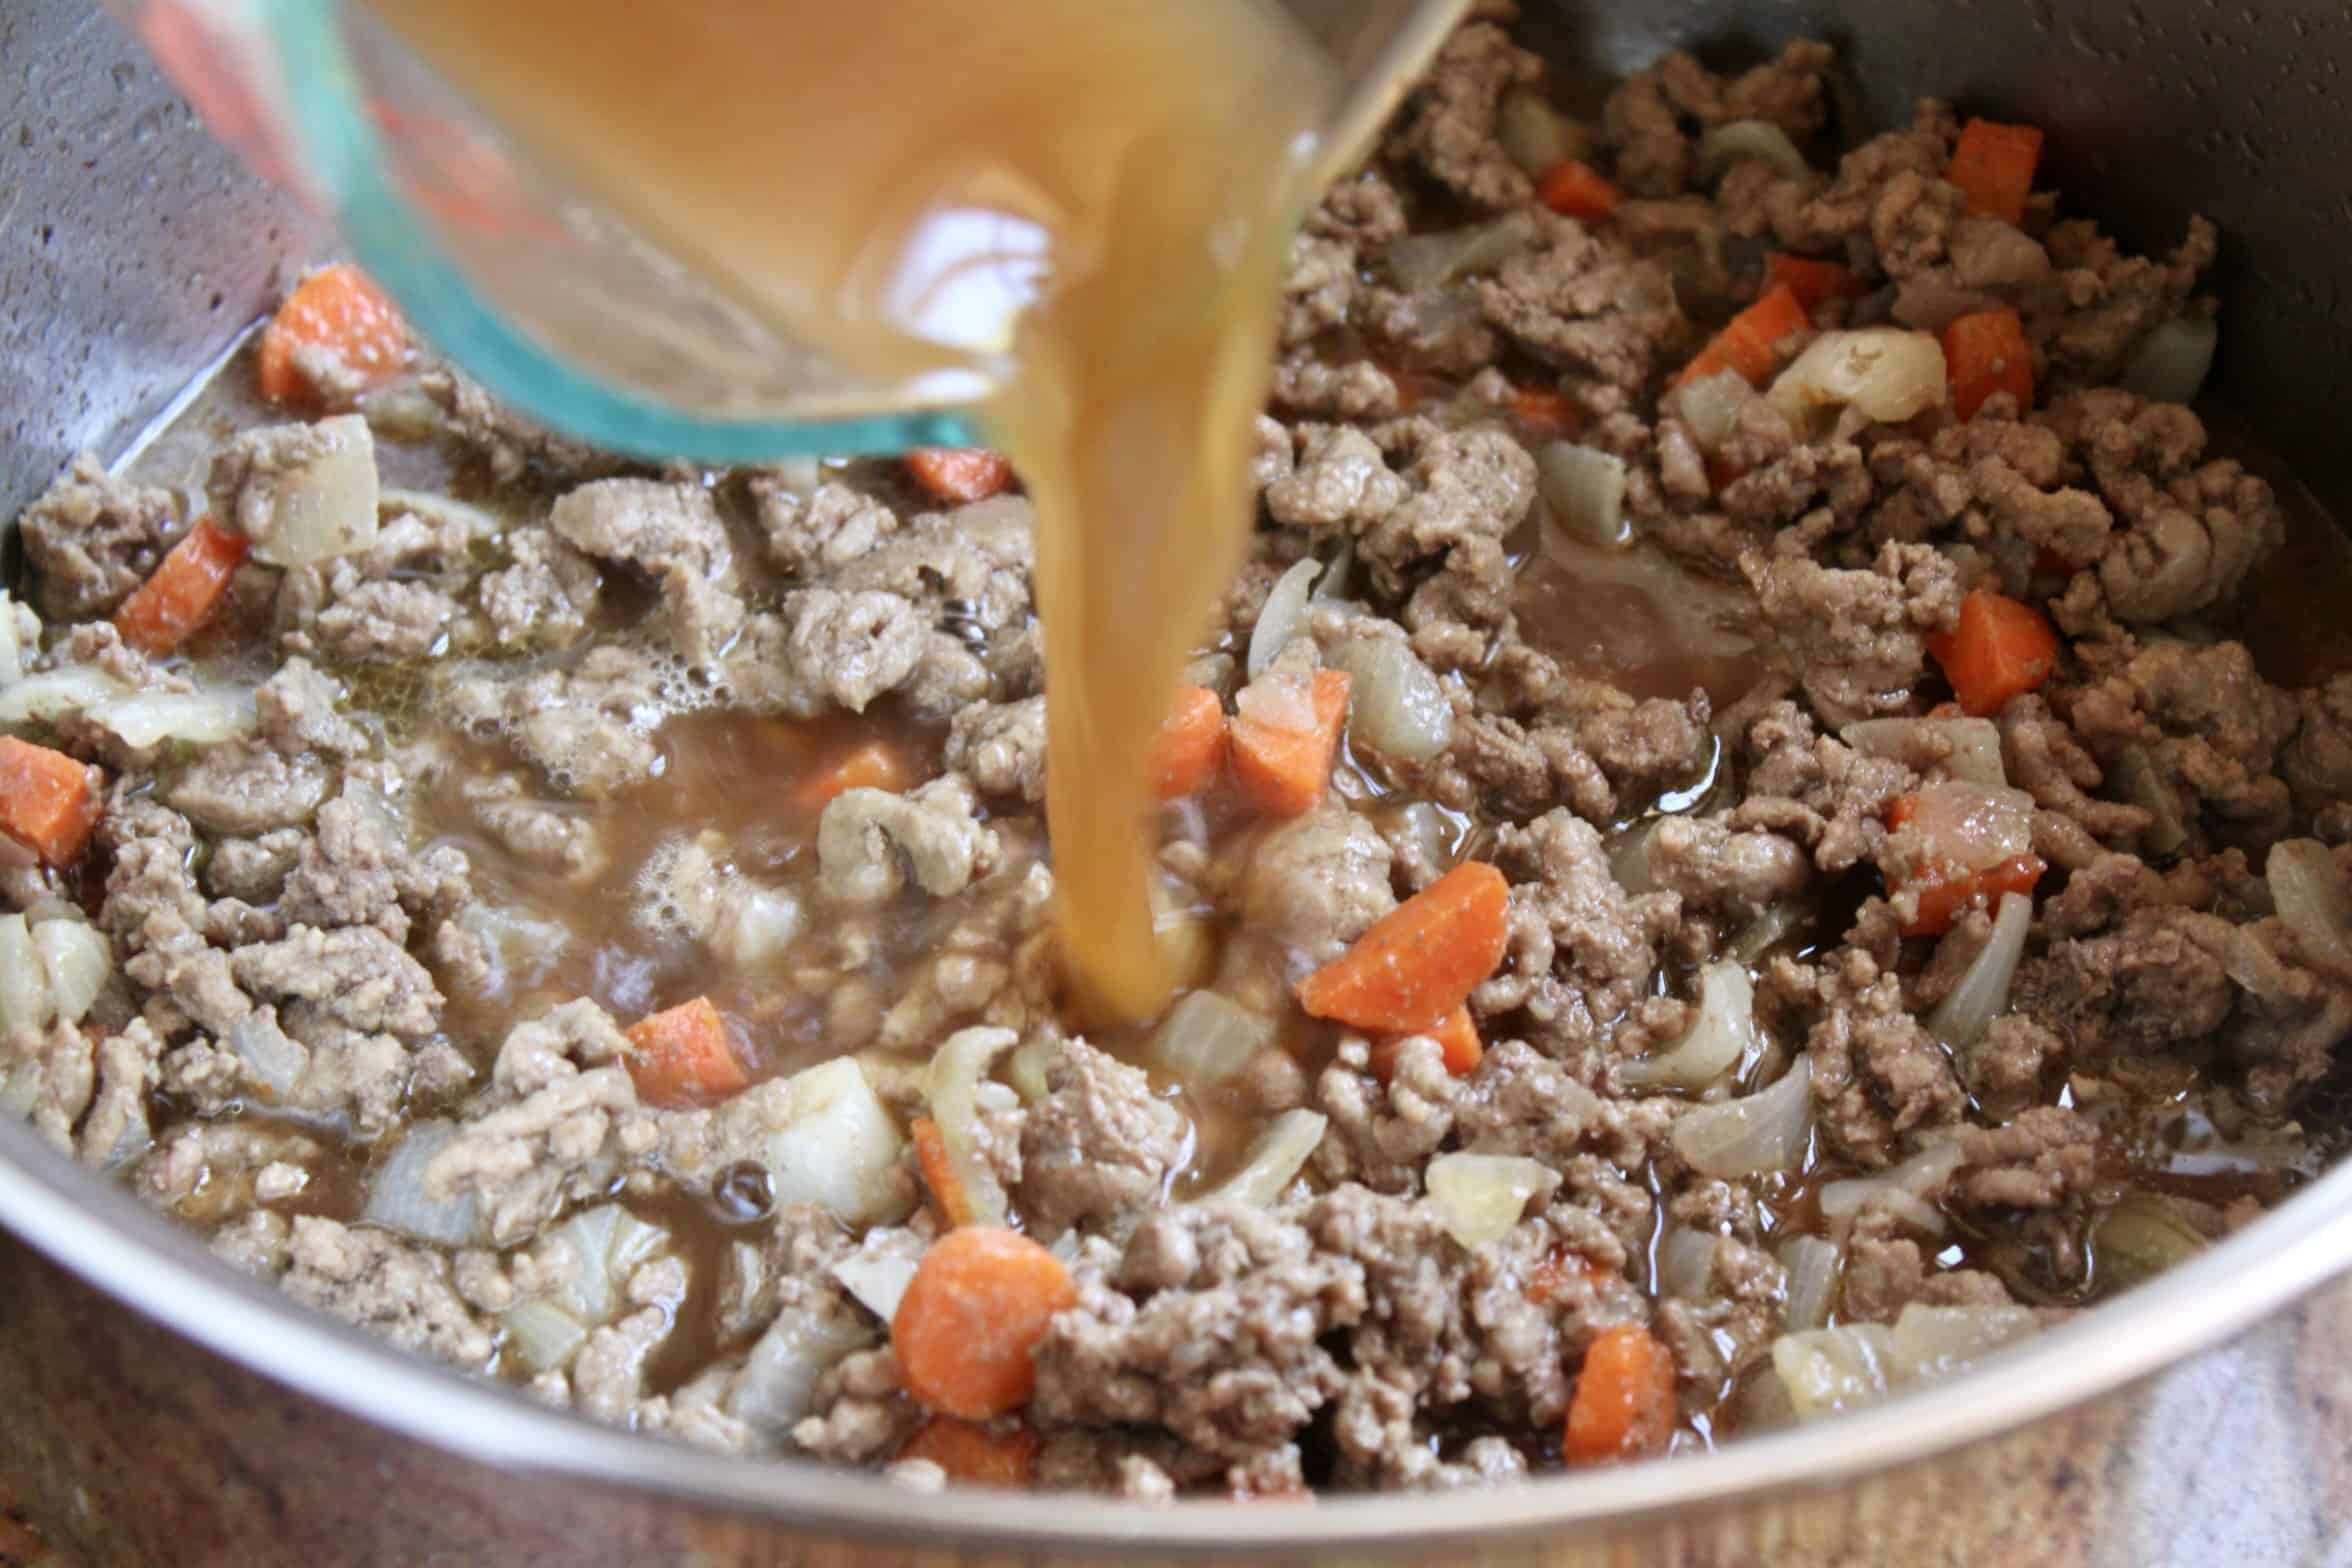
<point x="163" y="1271"/>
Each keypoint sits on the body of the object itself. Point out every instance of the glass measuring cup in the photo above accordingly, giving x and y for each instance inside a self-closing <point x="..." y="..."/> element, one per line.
<point x="551" y="302"/>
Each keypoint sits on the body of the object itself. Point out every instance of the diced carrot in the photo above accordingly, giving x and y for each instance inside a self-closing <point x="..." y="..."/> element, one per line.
<point x="1942" y="899"/>
<point x="183" y="590"/>
<point x="969" y="1323"/>
<point x="873" y="764"/>
<point x="939" y="1177"/>
<point x="46" y="802"/>
<point x="976" y="1455"/>
<point x="1544" y="411"/>
<point x="1558" y="1270"/>
<point x="1994" y="167"/>
<point x="1421" y="960"/>
<point x="1285" y="772"/>
<point x="1812" y="282"/>
<point x="2000" y="649"/>
<point x="1985" y="353"/>
<point x="1572" y="188"/>
<point x="1192" y="742"/>
<point x="1456" y="1035"/>
<point x="337" y="311"/>
<point x="960" y="473"/>
<point x="1623" y="1407"/>
<point x="1749" y="342"/>
<point x="683" y="1056"/>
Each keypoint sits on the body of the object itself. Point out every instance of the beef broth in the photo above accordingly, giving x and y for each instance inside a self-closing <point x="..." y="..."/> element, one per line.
<point x="1073" y="211"/>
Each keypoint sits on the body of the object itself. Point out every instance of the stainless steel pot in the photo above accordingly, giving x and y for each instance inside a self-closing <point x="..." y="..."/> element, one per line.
<point x="159" y="1409"/>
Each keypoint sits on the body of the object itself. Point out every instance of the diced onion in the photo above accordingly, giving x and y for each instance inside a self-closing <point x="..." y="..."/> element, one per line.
<point x="1975" y="744"/>
<point x="840" y="1150"/>
<point x="541" y="1335"/>
<point x="2172" y="364"/>
<point x="1481" y="1197"/>
<point x="59" y="693"/>
<point x="1274" y="1160"/>
<point x="1932" y="1342"/>
<point x="878" y="1272"/>
<point x="1720" y="1039"/>
<point x="1710" y="406"/>
<point x="1026" y="1068"/>
<point x="1422" y="262"/>
<point x="327" y="506"/>
<point x="521" y="946"/>
<point x="772" y="1392"/>
<point x="1971" y="826"/>
<point x="2141" y="1236"/>
<point x="1774" y="924"/>
<point x="2309" y="891"/>
<point x="2134" y="776"/>
<point x="1883" y="375"/>
<point x="396" y="1198"/>
<point x="1903" y="1188"/>
<point x="1207" y="1038"/>
<point x="954" y="1092"/>
<point x="1826" y="1370"/>
<point x="1395" y="705"/>
<point x="1738" y="140"/>
<point x="203" y="718"/>
<point x="756" y="922"/>
<point x="24" y="988"/>
<point x="608" y="1243"/>
<point x="1686" y="1262"/>
<point x="272" y="1059"/>
<point x="427" y="507"/>
<point x="75" y="960"/>
<point x="1536" y="136"/>
<point x="1766" y="1131"/>
<point x="1282" y="616"/>
<point x="1813" y="1264"/>
<point x="1982" y="992"/>
<point x="1585" y="490"/>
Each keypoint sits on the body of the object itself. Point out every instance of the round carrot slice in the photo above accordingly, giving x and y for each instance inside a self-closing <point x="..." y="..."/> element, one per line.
<point x="968" y="1326"/>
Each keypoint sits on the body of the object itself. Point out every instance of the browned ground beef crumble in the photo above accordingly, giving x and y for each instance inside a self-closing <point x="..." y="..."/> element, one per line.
<point x="513" y="775"/>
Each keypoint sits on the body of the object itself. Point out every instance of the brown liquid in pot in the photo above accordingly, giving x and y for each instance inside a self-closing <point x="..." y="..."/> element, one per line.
<point x="1075" y="210"/>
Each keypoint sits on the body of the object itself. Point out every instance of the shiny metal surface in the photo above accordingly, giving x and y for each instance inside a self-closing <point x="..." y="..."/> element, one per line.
<point x="2207" y="1418"/>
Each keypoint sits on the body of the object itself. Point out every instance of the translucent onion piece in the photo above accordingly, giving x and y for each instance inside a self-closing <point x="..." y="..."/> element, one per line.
<point x="1813" y="1264"/>
<point x="1536" y="136"/>
<point x="954" y="1092"/>
<point x="1766" y="1131"/>
<point x="1395" y="705"/>
<point x="2172" y="365"/>
<point x="1903" y="1188"/>
<point x="542" y="1336"/>
<point x="1207" y="1038"/>
<point x="877" y="1273"/>
<point x="1025" y="1069"/>
<point x="2140" y="1237"/>
<point x="1710" y="406"/>
<point x="1982" y="992"/>
<point x="396" y="1198"/>
<point x="1826" y="1370"/>
<point x="1283" y="616"/>
<point x="1332" y="588"/>
<point x="1422" y="262"/>
<point x="1585" y="490"/>
<point x="1883" y="374"/>
<point x="2135" y="779"/>
<point x="272" y="1058"/>
<point x="608" y="1243"/>
<point x="24" y="987"/>
<point x="1481" y="1197"/>
<point x="1932" y="1342"/>
<point x="1760" y="139"/>
<point x="756" y="923"/>
<point x="1719" y="1039"/>
<point x="1775" y="924"/>
<point x="841" y="1149"/>
<point x="58" y="693"/>
<point x="428" y="507"/>
<point x="1274" y="1160"/>
<point x="1971" y="826"/>
<point x="772" y="1392"/>
<point x="1686" y="1262"/>
<point x="327" y="506"/>
<point x="75" y="959"/>
<point x="1975" y="744"/>
<point x="2309" y="891"/>
<point x="521" y="946"/>
<point x="202" y="718"/>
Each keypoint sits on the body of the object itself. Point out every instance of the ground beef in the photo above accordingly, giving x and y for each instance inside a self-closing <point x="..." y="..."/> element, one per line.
<point x="1581" y="948"/>
<point x="1447" y="128"/>
<point x="92" y="538"/>
<point x="1578" y="301"/>
<point x="1098" y="1150"/>
<point x="1000" y="747"/>
<point x="367" y="1277"/>
<point x="544" y="596"/>
<point x="1309" y="887"/>
<point x="1858" y="639"/>
<point x="508" y="444"/>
